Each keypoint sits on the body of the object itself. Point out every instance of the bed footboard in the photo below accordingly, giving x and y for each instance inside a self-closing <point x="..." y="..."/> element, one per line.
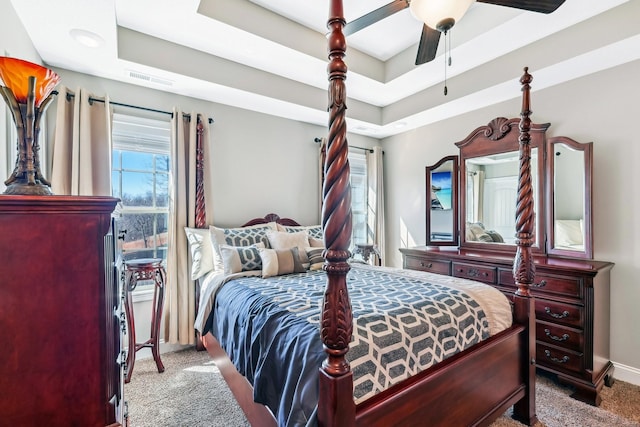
<point x="470" y="389"/>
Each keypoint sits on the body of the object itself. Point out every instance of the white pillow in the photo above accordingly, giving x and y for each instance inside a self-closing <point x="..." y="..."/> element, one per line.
<point x="568" y="232"/>
<point x="279" y="262"/>
<point x="316" y="243"/>
<point x="201" y="251"/>
<point x="282" y="240"/>
<point x="285" y="240"/>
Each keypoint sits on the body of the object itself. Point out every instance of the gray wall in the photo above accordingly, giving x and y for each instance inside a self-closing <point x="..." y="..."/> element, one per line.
<point x="602" y="108"/>
<point x="262" y="163"/>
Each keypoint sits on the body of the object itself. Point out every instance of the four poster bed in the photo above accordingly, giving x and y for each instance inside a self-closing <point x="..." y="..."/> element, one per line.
<point x="472" y="386"/>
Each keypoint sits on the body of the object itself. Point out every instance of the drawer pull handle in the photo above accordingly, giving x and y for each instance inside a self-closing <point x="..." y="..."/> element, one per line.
<point x="565" y="359"/>
<point x="472" y="272"/>
<point x="556" y="315"/>
<point x="426" y="265"/>
<point x="564" y="337"/>
<point x="542" y="284"/>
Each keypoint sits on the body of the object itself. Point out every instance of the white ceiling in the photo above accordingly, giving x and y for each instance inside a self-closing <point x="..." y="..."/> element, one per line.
<point x="270" y="55"/>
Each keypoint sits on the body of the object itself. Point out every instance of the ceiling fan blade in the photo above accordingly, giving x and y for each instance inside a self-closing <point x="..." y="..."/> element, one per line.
<point x="428" y="46"/>
<point x="375" y="16"/>
<point x="541" y="6"/>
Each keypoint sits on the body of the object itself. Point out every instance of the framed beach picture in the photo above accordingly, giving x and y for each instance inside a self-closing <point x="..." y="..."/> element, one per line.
<point x="441" y="184"/>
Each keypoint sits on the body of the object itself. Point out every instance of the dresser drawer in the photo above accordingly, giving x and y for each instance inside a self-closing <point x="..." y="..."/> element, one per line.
<point x="415" y="263"/>
<point x="557" y="358"/>
<point x="560" y="336"/>
<point x="475" y="272"/>
<point x="559" y="313"/>
<point x="546" y="284"/>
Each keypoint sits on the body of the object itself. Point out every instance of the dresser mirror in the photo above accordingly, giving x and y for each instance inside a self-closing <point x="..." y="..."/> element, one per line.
<point x="489" y="168"/>
<point x="483" y="207"/>
<point x="569" y="206"/>
<point x="442" y="206"/>
<point x="491" y="191"/>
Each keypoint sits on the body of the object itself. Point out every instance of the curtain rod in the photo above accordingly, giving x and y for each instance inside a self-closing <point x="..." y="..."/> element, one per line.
<point x="318" y="140"/>
<point x="92" y="99"/>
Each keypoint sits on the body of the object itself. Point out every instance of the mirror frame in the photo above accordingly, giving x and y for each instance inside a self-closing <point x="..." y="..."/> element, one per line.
<point x="499" y="136"/>
<point x="454" y="202"/>
<point x="587" y="149"/>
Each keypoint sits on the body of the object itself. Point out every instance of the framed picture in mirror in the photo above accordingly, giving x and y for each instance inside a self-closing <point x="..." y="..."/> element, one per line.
<point x="442" y="208"/>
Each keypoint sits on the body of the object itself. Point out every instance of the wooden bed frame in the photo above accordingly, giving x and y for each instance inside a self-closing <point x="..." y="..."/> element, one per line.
<point x="473" y="387"/>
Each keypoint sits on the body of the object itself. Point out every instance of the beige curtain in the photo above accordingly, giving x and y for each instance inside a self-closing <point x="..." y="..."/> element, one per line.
<point x="81" y="157"/>
<point x="375" y="201"/>
<point x="179" y="308"/>
<point x="322" y="156"/>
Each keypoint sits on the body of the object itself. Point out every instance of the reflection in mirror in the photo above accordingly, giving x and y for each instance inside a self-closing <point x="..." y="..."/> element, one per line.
<point x="491" y="194"/>
<point x="442" y="206"/>
<point x="568" y="214"/>
<point x="569" y="172"/>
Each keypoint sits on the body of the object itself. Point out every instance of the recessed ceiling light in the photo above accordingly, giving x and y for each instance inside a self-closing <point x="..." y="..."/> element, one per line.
<point x="86" y="38"/>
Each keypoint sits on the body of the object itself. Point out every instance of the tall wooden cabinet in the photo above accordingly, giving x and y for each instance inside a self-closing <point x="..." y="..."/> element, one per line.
<point x="60" y="305"/>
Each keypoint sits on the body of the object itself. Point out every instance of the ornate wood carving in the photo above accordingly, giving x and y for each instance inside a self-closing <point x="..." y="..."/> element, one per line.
<point x="497" y="128"/>
<point x="201" y="214"/>
<point x="523" y="266"/>
<point x="336" y="406"/>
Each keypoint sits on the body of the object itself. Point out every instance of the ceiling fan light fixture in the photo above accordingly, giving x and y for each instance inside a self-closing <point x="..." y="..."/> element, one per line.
<point x="440" y="15"/>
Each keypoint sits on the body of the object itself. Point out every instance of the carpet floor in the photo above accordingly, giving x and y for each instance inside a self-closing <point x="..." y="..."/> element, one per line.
<point x="192" y="393"/>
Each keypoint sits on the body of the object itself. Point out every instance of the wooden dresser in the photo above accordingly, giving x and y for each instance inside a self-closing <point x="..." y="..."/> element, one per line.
<point x="60" y="323"/>
<point x="572" y="308"/>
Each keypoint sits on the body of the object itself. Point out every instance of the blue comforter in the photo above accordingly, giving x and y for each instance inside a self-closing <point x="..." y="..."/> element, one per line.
<point x="402" y="324"/>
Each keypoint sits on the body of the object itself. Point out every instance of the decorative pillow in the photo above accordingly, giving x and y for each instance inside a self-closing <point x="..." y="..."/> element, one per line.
<point x="201" y="251"/>
<point x="278" y="262"/>
<point x="241" y="236"/>
<point x="316" y="260"/>
<point x="284" y="240"/>
<point x="568" y="232"/>
<point x="478" y="231"/>
<point x="312" y="230"/>
<point x="236" y="259"/>
<point x="316" y="243"/>
<point x="495" y="236"/>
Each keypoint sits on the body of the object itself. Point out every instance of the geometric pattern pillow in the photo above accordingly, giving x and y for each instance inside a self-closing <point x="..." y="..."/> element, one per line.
<point x="314" y="231"/>
<point x="240" y="236"/>
<point x="236" y="259"/>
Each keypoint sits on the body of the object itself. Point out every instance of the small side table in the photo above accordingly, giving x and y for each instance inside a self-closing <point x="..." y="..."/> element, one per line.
<point x="136" y="270"/>
<point x="366" y="250"/>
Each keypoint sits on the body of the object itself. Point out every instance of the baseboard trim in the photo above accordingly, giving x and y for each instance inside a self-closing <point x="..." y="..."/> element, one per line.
<point x="626" y="373"/>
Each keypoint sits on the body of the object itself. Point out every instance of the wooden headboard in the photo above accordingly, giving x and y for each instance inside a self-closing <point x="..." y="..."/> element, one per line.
<point x="271" y="217"/>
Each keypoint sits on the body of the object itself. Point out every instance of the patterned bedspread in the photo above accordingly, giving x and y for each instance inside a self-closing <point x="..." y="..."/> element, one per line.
<point x="404" y="322"/>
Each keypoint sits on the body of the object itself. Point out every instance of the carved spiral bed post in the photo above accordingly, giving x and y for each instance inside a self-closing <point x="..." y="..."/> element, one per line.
<point x="201" y="214"/>
<point x="335" y="404"/>
<point x="523" y="266"/>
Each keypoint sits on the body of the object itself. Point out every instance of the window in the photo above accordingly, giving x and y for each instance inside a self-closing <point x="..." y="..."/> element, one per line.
<point x="358" y="166"/>
<point x="140" y="178"/>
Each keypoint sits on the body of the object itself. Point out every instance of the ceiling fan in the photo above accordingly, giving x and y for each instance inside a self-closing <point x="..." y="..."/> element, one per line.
<point x="440" y="16"/>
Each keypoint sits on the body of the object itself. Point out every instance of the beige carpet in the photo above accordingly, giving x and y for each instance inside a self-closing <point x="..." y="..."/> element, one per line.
<point x="191" y="392"/>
